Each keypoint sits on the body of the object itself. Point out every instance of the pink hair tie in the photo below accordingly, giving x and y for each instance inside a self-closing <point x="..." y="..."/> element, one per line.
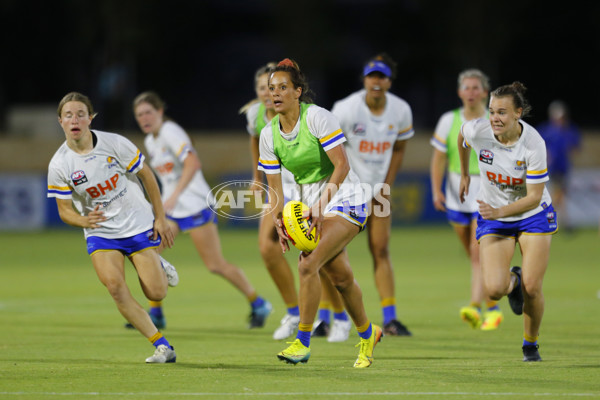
<point x="286" y="62"/>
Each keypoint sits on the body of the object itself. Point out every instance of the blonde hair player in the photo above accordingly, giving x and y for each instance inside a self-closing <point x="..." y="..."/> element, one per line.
<point x="258" y="114"/>
<point x="306" y="140"/>
<point x="94" y="178"/>
<point x="473" y="91"/>
<point x="514" y="206"/>
<point x="378" y="125"/>
<point x="186" y="196"/>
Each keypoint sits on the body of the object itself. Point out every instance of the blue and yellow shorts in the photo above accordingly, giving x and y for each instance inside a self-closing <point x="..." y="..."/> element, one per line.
<point x="202" y="218"/>
<point x="543" y="223"/>
<point x="127" y="246"/>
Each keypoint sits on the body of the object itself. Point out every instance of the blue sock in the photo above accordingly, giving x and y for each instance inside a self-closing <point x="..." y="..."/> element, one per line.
<point x="389" y="313"/>
<point x="325" y="315"/>
<point x="526" y="343"/>
<point x="160" y="341"/>
<point x="341" y="315"/>
<point x="366" y="334"/>
<point x="295" y="311"/>
<point x="494" y="308"/>
<point x="304" y="337"/>
<point x="156" y="311"/>
<point x="259" y="302"/>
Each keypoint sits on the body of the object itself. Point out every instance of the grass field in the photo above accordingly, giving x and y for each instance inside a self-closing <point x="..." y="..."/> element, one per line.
<point x="62" y="337"/>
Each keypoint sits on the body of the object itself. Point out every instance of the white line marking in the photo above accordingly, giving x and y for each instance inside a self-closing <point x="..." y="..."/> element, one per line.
<point x="258" y="394"/>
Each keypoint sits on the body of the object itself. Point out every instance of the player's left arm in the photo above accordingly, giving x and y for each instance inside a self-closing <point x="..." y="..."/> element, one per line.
<point x="191" y="164"/>
<point x="161" y="226"/>
<point x="398" y="152"/>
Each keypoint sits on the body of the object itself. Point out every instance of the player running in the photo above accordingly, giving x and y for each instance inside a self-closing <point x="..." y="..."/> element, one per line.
<point x="186" y="197"/>
<point x="94" y="178"/>
<point x="258" y="114"/>
<point x="306" y="140"/>
<point x="514" y="206"/>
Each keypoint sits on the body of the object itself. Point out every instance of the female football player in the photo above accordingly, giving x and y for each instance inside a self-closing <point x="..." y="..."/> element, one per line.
<point x="378" y="125"/>
<point x="473" y="90"/>
<point x="514" y="206"/>
<point x="258" y="114"/>
<point x="306" y="140"/>
<point x="185" y="196"/>
<point x="93" y="177"/>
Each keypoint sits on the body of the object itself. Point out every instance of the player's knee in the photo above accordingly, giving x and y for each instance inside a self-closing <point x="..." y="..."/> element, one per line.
<point x="267" y="248"/>
<point x="380" y="251"/>
<point x="115" y="286"/>
<point x="532" y="288"/>
<point x="306" y="267"/>
<point x="156" y="294"/>
<point x="496" y="290"/>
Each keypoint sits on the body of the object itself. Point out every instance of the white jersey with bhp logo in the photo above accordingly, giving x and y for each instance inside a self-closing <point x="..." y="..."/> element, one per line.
<point x="370" y="138"/>
<point x="506" y="170"/>
<point x="166" y="153"/>
<point x="104" y="176"/>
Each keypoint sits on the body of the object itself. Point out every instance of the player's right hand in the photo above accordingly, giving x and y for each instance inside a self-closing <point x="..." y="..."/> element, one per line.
<point x="94" y="217"/>
<point x="463" y="190"/>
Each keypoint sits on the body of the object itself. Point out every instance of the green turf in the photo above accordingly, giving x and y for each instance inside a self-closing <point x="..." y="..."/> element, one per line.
<point x="61" y="336"/>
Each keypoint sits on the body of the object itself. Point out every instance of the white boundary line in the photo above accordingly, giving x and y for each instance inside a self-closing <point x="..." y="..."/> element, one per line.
<point x="283" y="394"/>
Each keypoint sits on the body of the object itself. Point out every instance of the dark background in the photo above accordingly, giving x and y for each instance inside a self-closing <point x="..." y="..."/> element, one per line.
<point x="200" y="56"/>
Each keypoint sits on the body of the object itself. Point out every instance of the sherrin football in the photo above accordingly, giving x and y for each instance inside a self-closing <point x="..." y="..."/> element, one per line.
<point x="296" y="226"/>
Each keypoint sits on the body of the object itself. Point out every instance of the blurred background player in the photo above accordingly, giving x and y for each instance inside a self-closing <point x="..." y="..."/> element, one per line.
<point x="514" y="206"/>
<point x="473" y="91"/>
<point x="185" y="196"/>
<point x="307" y="140"/>
<point x="94" y="178"/>
<point x="377" y="125"/>
<point x="562" y="139"/>
<point x="258" y="114"/>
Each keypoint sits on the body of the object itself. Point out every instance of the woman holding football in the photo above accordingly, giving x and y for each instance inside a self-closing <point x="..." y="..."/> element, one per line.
<point x="258" y="114"/>
<point x="94" y="178"/>
<point x="307" y="140"/>
<point x="186" y="198"/>
<point x="514" y="206"/>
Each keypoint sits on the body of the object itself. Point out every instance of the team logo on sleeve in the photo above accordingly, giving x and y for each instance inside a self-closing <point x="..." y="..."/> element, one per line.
<point x="78" y="177"/>
<point x="486" y="156"/>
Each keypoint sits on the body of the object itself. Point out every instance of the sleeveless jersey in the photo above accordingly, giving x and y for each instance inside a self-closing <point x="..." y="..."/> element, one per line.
<point x="303" y="155"/>
<point x="323" y="126"/>
<point x="256" y="118"/>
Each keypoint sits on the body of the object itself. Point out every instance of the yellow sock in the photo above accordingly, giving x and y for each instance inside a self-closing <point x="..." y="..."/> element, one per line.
<point x="364" y="327"/>
<point x="324" y="305"/>
<point x="530" y="339"/>
<point x="490" y="303"/>
<point x="305" y="327"/>
<point x="155" y="337"/>
<point x="388" y="301"/>
<point x="155" y="304"/>
<point x="252" y="297"/>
